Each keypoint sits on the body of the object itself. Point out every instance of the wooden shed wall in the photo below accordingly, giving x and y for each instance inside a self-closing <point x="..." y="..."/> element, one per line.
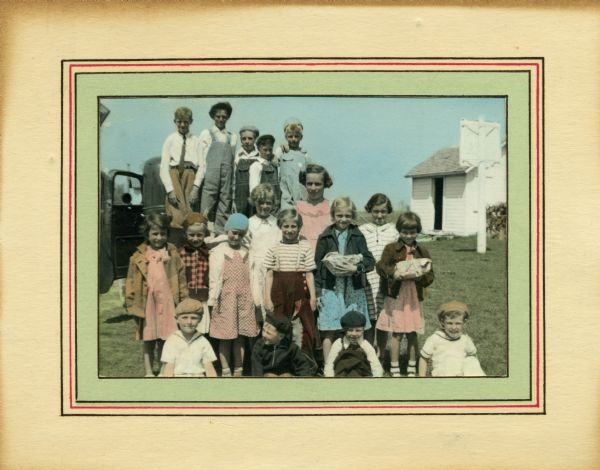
<point x="421" y="201"/>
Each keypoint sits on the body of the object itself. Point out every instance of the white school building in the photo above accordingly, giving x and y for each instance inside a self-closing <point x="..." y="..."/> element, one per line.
<point x="446" y="186"/>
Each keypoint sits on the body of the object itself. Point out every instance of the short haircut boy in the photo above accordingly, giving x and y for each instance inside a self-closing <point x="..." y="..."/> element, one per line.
<point x="252" y="129"/>
<point x="194" y="218"/>
<point x="453" y="309"/>
<point x="262" y="192"/>
<point x="264" y="139"/>
<point x="222" y="105"/>
<point x="183" y="114"/>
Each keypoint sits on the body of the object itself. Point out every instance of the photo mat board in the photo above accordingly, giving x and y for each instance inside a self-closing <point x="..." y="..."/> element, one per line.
<point x="518" y="81"/>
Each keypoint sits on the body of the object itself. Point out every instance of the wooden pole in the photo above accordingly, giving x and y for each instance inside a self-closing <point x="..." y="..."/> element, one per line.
<point x="481" y="215"/>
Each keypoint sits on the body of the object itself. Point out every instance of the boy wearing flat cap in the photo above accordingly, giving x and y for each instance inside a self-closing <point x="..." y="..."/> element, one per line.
<point x="187" y="353"/>
<point x="352" y="355"/>
<point x="275" y="355"/>
<point x="451" y="352"/>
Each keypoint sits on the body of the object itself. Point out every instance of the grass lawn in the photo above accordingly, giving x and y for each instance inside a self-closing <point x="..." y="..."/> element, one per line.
<point x="120" y="353"/>
<point x="460" y="273"/>
<point x="479" y="280"/>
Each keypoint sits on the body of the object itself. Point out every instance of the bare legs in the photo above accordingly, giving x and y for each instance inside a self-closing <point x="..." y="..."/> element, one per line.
<point x="226" y="347"/>
<point x="327" y="338"/>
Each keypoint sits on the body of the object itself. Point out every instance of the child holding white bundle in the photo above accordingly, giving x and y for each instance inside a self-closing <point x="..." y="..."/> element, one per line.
<point x="292" y="159"/>
<point x="402" y="311"/>
<point x="233" y="318"/>
<point x="187" y="353"/>
<point x="450" y="351"/>
<point x="155" y="284"/>
<point x="342" y="259"/>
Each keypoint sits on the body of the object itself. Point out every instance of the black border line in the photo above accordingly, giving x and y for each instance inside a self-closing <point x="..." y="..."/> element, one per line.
<point x="288" y="59"/>
<point x="521" y="59"/>
<point x="61" y="237"/>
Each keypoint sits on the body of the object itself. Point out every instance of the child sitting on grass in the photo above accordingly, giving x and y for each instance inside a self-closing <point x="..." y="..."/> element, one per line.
<point x="275" y="355"/>
<point x="450" y="351"/>
<point x="352" y="355"/>
<point x="187" y="353"/>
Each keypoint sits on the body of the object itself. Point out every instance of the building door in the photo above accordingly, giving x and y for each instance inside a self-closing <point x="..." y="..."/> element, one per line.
<point x="438" y="202"/>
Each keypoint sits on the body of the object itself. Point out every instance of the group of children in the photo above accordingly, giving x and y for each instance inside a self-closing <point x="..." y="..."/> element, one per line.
<point x="205" y="174"/>
<point x="310" y="282"/>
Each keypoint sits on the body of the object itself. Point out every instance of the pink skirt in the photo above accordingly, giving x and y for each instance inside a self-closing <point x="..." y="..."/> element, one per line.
<point x="403" y="313"/>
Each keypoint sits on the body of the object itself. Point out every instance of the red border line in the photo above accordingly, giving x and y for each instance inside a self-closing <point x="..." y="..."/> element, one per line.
<point x="301" y="407"/>
<point x="70" y="248"/>
<point x="536" y="65"/>
<point x="304" y="64"/>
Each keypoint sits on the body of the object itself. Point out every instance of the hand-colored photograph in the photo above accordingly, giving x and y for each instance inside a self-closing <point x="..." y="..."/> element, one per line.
<point x="303" y="241"/>
<point x="299" y="227"/>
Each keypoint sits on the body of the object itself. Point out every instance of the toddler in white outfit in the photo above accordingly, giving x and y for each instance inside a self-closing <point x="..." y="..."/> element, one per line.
<point x="450" y="351"/>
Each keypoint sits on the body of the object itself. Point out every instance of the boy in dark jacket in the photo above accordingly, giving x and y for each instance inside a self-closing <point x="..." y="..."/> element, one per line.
<point x="275" y="355"/>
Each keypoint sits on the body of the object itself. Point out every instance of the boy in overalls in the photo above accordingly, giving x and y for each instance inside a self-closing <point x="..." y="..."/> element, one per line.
<point x="217" y="148"/>
<point x="264" y="170"/>
<point x="291" y="159"/>
<point x="244" y="157"/>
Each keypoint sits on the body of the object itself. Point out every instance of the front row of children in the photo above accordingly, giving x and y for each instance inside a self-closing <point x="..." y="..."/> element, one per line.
<point x="449" y="351"/>
<point x="216" y="294"/>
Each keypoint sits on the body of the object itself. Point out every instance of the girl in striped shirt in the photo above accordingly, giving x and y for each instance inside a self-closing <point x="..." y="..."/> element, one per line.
<point x="290" y="285"/>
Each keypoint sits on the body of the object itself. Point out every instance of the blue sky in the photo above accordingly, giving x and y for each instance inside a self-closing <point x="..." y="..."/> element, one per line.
<point x="367" y="144"/>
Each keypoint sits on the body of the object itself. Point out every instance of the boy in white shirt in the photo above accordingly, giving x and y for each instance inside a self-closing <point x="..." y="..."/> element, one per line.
<point x="450" y="351"/>
<point x="178" y="168"/>
<point x="187" y="353"/>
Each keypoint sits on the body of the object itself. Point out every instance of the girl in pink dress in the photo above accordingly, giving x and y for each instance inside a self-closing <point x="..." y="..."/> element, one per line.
<point x="230" y="296"/>
<point x="155" y="285"/>
<point x="314" y="211"/>
<point x="401" y="314"/>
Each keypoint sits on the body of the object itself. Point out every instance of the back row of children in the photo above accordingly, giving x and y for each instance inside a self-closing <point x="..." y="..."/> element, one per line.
<point x="265" y="274"/>
<point x="204" y="173"/>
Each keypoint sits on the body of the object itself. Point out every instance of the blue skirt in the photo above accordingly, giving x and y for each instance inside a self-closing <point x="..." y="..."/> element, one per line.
<point x="333" y="304"/>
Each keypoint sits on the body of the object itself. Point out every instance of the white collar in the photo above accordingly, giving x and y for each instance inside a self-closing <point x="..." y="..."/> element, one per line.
<point x="197" y="335"/>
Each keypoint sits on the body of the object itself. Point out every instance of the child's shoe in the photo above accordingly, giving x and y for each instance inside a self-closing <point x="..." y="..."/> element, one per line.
<point x="411" y="369"/>
<point x="237" y="372"/>
<point x="395" y="369"/>
<point x="226" y="373"/>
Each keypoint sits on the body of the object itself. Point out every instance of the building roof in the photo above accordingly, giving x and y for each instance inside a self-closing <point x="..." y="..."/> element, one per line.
<point x="442" y="162"/>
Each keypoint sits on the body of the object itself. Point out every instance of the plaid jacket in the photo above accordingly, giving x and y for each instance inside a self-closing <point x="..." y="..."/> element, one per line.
<point x="196" y="269"/>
